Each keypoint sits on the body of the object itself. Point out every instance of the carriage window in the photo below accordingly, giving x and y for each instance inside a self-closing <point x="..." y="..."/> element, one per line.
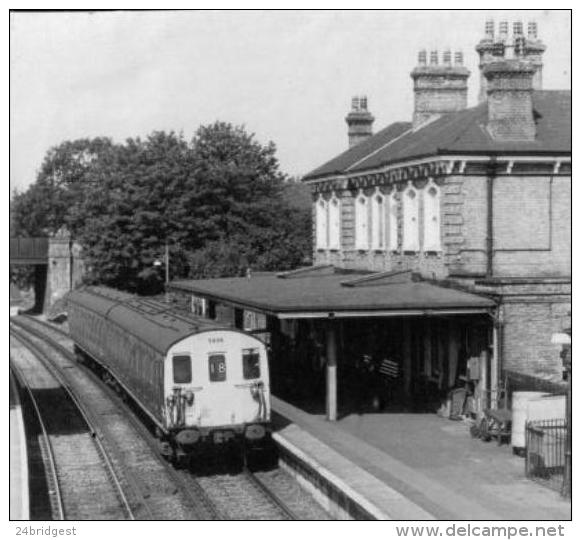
<point x="182" y="369"/>
<point x="217" y="364"/>
<point x="250" y="364"/>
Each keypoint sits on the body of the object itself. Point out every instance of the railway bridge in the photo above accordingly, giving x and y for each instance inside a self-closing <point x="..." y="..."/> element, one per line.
<point x="57" y="263"/>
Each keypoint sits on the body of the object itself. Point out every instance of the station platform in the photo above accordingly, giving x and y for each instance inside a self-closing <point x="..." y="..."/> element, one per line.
<point x="19" y="507"/>
<point x="418" y="466"/>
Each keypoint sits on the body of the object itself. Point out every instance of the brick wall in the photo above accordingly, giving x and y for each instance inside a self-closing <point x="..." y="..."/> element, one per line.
<point x="529" y="325"/>
<point x="533" y="233"/>
<point x="532" y="230"/>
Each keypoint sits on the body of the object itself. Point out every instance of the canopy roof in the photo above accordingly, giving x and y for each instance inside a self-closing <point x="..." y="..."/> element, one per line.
<point x="316" y="293"/>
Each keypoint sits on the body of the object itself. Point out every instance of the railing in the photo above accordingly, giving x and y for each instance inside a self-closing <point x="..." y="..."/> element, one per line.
<point x="545" y="451"/>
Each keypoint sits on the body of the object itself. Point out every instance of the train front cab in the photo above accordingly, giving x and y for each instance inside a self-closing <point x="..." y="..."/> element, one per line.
<point x="217" y="393"/>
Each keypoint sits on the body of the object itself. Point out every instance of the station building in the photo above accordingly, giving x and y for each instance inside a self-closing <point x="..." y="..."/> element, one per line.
<point x="441" y="244"/>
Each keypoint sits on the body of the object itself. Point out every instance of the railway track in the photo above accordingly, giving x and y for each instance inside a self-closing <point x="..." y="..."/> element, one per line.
<point x="243" y="495"/>
<point x="155" y="490"/>
<point x="65" y="457"/>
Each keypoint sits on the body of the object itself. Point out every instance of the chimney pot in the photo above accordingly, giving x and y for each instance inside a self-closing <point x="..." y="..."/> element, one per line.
<point x="447" y="57"/>
<point x="422" y="57"/>
<point x="434" y="58"/>
<point x="489" y="28"/>
<point x="503" y="30"/>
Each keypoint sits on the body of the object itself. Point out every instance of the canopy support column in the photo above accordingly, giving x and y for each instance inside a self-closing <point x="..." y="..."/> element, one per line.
<point x="407" y="356"/>
<point x="331" y="339"/>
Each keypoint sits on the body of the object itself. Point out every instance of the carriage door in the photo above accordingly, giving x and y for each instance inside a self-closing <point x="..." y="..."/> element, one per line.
<point x="218" y="405"/>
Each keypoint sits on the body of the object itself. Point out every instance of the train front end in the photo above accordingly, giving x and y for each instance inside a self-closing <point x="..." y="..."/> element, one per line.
<point x="216" y="393"/>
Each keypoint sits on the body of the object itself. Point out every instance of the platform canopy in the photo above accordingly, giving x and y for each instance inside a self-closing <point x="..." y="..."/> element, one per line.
<point x="324" y="292"/>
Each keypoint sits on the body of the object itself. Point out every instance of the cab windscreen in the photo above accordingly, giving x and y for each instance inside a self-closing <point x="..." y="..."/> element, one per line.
<point x="250" y="364"/>
<point x="182" y="369"/>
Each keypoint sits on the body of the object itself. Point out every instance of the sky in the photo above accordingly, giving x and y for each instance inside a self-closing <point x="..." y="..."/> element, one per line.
<point x="288" y="76"/>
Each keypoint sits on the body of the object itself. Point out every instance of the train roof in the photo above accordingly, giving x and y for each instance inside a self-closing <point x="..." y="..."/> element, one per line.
<point x="153" y="322"/>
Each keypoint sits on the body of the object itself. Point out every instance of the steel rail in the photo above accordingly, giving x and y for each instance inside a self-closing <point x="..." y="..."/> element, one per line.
<point x="261" y="486"/>
<point x="192" y="489"/>
<point x="103" y="453"/>
<point x="48" y="453"/>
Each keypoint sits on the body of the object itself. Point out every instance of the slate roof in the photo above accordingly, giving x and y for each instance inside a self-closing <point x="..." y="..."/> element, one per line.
<point x="463" y="132"/>
<point x="315" y="293"/>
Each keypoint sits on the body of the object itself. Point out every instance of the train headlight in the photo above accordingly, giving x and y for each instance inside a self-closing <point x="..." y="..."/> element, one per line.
<point x="189" y="395"/>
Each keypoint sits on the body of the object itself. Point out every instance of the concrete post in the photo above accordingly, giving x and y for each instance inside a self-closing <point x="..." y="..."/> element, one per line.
<point x="331" y="339"/>
<point x="427" y="347"/>
<point x="494" y="364"/>
<point x="483" y="383"/>
<point x="407" y="356"/>
<point x="453" y="344"/>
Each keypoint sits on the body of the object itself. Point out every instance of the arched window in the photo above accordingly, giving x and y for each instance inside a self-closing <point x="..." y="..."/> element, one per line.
<point x="361" y="221"/>
<point x="393" y="240"/>
<point x="432" y="240"/>
<point x="321" y="226"/>
<point x="410" y="219"/>
<point x="378" y="214"/>
<point x="334" y="222"/>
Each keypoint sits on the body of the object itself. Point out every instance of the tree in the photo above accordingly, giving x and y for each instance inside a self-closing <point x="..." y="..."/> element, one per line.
<point x="61" y="181"/>
<point x="233" y="181"/>
<point x="218" y="201"/>
<point x="129" y="211"/>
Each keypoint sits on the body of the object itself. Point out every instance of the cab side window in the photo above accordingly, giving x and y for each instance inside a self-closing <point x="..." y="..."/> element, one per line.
<point x="250" y="364"/>
<point x="217" y="366"/>
<point x="182" y="369"/>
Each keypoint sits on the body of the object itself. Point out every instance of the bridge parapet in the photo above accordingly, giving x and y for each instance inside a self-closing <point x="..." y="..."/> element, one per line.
<point x="31" y="250"/>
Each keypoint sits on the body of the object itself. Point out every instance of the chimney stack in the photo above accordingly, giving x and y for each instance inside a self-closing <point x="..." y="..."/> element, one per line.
<point x="510" y="100"/>
<point x="359" y="121"/>
<point x="438" y="89"/>
<point x="529" y="49"/>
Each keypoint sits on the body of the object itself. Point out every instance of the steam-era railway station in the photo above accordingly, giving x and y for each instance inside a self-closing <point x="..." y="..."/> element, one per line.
<point x="435" y="318"/>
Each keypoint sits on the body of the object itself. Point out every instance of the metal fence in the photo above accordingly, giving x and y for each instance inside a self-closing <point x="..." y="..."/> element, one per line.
<point x="545" y="451"/>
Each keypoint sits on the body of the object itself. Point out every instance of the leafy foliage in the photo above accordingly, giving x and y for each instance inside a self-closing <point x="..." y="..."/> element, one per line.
<point x="219" y="201"/>
<point x="61" y="182"/>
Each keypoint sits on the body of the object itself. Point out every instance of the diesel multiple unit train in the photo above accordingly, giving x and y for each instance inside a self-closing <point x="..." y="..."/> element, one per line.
<point x="202" y="384"/>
